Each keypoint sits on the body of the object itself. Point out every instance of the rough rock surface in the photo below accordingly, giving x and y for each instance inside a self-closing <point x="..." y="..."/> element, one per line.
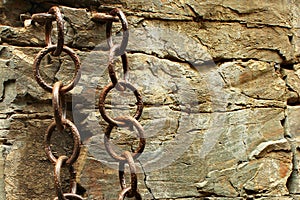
<point x="220" y="81"/>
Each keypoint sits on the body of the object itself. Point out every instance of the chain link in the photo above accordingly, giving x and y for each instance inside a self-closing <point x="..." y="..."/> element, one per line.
<point x="103" y="95"/>
<point x="120" y="48"/>
<point x="133" y="185"/>
<point x="76" y="140"/>
<point x="39" y="79"/>
<point x="58" y="165"/>
<point x="59" y="90"/>
<point x="60" y="30"/>
<point x="58" y="101"/>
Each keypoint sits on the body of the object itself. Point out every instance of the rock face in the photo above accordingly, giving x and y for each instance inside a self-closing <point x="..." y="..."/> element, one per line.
<point x="220" y="81"/>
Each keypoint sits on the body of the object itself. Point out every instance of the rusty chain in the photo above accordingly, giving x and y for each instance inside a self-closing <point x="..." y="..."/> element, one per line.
<point x="59" y="90"/>
<point x="121" y="121"/>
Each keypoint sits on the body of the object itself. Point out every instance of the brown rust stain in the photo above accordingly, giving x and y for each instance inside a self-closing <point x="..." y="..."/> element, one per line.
<point x="283" y="170"/>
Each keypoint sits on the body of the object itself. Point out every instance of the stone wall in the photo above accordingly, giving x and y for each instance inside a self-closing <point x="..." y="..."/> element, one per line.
<point x="220" y="81"/>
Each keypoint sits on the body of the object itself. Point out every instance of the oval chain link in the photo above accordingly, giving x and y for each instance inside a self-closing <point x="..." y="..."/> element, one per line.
<point x="58" y="103"/>
<point x="111" y="65"/>
<point x="58" y="165"/>
<point x="128" y="122"/>
<point x="37" y="74"/>
<point x="120" y="48"/>
<point x="102" y="98"/>
<point x="76" y="140"/>
<point x="60" y="30"/>
<point x="133" y="184"/>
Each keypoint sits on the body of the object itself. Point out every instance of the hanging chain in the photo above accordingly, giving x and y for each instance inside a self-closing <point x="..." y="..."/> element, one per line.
<point x="121" y="121"/>
<point x="59" y="90"/>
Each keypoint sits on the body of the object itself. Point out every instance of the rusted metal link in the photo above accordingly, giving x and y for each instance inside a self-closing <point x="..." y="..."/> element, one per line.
<point x="102" y="98"/>
<point x="42" y="18"/>
<point x="124" y="192"/>
<point x="53" y="14"/>
<point x="122" y="47"/>
<point x="127" y="122"/>
<point x="76" y="140"/>
<point x="60" y="30"/>
<point x="37" y="62"/>
<point x="103" y="17"/>
<point x="58" y="101"/>
<point x="111" y="70"/>
<point x="133" y="184"/>
<point x="61" y="161"/>
<point x="57" y="183"/>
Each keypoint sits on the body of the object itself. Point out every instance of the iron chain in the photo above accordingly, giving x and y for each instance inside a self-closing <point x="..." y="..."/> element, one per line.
<point x="122" y="121"/>
<point x="59" y="90"/>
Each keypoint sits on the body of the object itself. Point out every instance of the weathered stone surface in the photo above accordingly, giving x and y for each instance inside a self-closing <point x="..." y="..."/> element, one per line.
<point x="251" y="84"/>
<point x="292" y="132"/>
<point x="10" y="11"/>
<point x="243" y="43"/>
<point x="219" y="80"/>
<point x="268" y="43"/>
<point x="266" y="147"/>
<point x="296" y="25"/>
<point x="250" y="178"/>
<point x="255" y="13"/>
<point x="292" y="126"/>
